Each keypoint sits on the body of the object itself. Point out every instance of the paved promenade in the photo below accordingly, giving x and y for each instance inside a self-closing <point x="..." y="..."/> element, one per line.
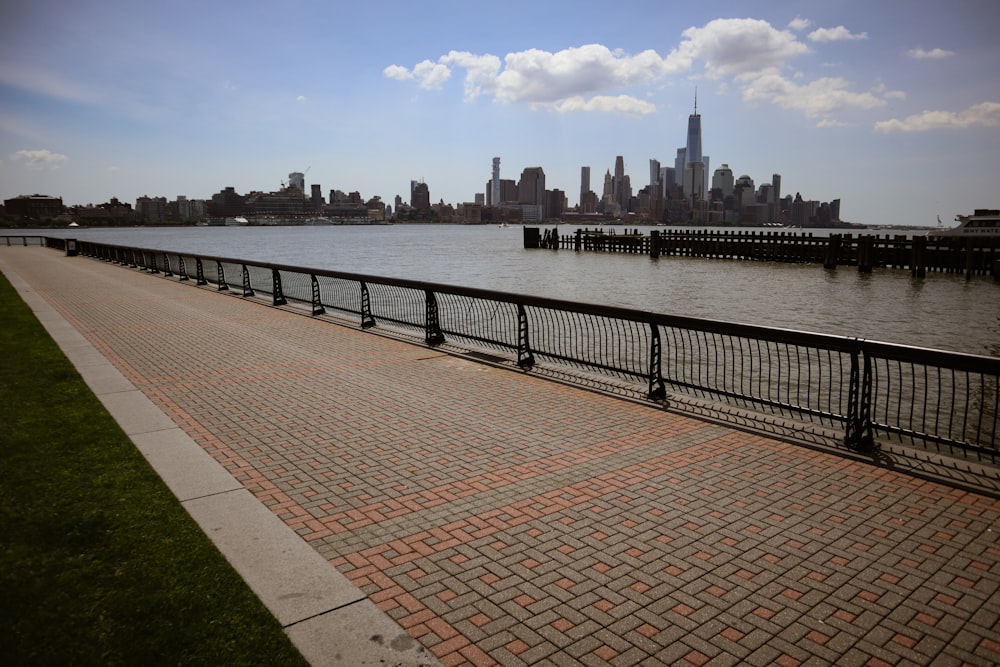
<point x="499" y="518"/>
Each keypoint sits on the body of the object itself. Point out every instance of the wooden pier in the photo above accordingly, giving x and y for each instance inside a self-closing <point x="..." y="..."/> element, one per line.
<point x="919" y="254"/>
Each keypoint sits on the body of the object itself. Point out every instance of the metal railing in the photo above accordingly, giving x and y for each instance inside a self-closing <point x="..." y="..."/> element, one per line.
<point x="870" y="392"/>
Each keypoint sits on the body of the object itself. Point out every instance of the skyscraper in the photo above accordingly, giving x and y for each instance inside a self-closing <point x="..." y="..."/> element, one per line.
<point x="695" y="183"/>
<point x="619" y="182"/>
<point x="495" y="183"/>
<point x="584" y="182"/>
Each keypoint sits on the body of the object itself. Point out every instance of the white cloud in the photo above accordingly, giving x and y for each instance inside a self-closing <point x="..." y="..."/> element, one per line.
<point x="816" y="99"/>
<point x="748" y="53"/>
<point x="301" y="98"/>
<point x="933" y="54"/>
<point x="540" y="76"/>
<point x="37" y="160"/>
<point x="428" y="74"/>
<point x="740" y="47"/>
<point x="623" y="104"/>
<point x="558" y="80"/>
<point x="838" y="34"/>
<point x="799" y="23"/>
<point x="984" y="114"/>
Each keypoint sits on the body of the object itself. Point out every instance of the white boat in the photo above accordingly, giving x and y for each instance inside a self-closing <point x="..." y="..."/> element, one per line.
<point x="983" y="222"/>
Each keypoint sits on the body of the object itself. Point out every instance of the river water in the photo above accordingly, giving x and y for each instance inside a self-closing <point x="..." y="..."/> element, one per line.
<point x="941" y="311"/>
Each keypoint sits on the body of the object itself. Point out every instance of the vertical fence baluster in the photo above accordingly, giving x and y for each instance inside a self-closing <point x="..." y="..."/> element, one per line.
<point x="199" y="272"/>
<point x="432" y="327"/>
<point x="247" y="287"/>
<point x="657" y="390"/>
<point x="223" y="285"/>
<point x="525" y="359"/>
<point x="278" y="295"/>
<point x="367" y="319"/>
<point x="317" y="301"/>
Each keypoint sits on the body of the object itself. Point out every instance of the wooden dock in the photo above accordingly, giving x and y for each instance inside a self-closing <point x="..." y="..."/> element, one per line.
<point x="919" y="254"/>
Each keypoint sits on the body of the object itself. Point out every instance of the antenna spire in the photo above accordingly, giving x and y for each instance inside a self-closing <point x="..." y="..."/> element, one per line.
<point x="696" y="100"/>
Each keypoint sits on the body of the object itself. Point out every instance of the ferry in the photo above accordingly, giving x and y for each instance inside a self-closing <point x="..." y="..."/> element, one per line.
<point x="983" y="222"/>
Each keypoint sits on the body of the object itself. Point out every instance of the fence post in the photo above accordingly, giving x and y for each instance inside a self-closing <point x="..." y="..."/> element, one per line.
<point x="278" y="296"/>
<point x="223" y="285"/>
<point x="367" y="319"/>
<point x="317" y="301"/>
<point x="247" y="287"/>
<point x="859" y="424"/>
<point x="181" y="269"/>
<point x="525" y="359"/>
<point x="657" y="389"/>
<point x="199" y="272"/>
<point x="432" y="327"/>
<point x="167" y="273"/>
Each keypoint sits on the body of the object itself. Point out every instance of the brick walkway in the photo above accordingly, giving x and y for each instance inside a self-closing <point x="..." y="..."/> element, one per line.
<point x="504" y="519"/>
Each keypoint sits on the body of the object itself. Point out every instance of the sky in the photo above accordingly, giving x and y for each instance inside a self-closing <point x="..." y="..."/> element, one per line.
<point x="891" y="106"/>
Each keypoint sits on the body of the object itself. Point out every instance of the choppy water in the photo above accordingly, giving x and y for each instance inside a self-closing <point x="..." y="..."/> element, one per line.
<point x="942" y="311"/>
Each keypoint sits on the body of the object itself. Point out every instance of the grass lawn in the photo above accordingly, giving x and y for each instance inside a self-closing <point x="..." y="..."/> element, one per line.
<point x="99" y="563"/>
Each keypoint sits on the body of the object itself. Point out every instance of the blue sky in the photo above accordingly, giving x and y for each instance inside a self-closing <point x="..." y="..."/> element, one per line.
<point x="891" y="106"/>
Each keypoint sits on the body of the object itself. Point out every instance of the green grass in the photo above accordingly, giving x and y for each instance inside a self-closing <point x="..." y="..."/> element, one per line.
<point x="99" y="563"/>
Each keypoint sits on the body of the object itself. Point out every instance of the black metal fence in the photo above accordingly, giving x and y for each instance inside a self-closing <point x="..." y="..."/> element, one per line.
<point x="870" y="392"/>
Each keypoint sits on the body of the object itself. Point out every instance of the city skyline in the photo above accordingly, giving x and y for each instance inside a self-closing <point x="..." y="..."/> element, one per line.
<point x="891" y="107"/>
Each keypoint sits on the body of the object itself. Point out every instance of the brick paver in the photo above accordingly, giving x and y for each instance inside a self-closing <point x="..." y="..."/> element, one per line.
<point x="504" y="519"/>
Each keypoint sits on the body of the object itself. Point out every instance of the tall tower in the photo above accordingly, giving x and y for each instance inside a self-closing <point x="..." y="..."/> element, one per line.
<point x="620" y="181"/>
<point x="584" y="182"/>
<point x="695" y="182"/>
<point x="495" y="183"/>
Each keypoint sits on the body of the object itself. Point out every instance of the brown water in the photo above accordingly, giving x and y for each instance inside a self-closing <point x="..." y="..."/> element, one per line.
<point x="942" y="311"/>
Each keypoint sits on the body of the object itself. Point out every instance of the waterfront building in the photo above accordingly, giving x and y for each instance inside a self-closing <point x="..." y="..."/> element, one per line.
<point x="584" y="183"/>
<point x="494" y="188"/>
<point x="420" y="196"/>
<point x="531" y="187"/>
<point x="722" y="180"/>
<point x="297" y="179"/>
<point x="33" y="206"/>
<point x="151" y="210"/>
<point x="317" y="196"/>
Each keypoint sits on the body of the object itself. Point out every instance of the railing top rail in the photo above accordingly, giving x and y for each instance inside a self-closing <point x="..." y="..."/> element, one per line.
<point x="959" y="360"/>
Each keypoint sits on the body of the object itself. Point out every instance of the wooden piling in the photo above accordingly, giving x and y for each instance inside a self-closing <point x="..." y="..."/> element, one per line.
<point x="832" y="251"/>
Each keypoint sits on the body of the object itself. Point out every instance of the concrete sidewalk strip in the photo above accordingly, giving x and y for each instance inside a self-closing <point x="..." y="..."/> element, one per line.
<point x="395" y="505"/>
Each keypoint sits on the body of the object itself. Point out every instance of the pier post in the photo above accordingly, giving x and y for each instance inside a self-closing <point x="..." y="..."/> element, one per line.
<point x="996" y="270"/>
<point x="832" y="252"/>
<point x="866" y="246"/>
<point x="530" y="237"/>
<point x="654" y="243"/>
<point x="970" y="256"/>
<point x="578" y="241"/>
<point x="918" y="259"/>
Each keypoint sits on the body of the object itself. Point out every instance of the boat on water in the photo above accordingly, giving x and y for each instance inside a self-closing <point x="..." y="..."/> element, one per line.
<point x="982" y="222"/>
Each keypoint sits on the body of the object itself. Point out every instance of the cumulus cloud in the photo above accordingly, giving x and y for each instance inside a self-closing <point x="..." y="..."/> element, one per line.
<point x="838" y="34"/>
<point x="749" y="54"/>
<point x="740" y="47"/>
<point x="622" y="104"/>
<point x="556" y="80"/>
<point x="799" y="23"/>
<point x="816" y="99"/>
<point x="38" y="160"/>
<point x="933" y="54"/>
<point x="428" y="75"/>
<point x="984" y="114"/>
